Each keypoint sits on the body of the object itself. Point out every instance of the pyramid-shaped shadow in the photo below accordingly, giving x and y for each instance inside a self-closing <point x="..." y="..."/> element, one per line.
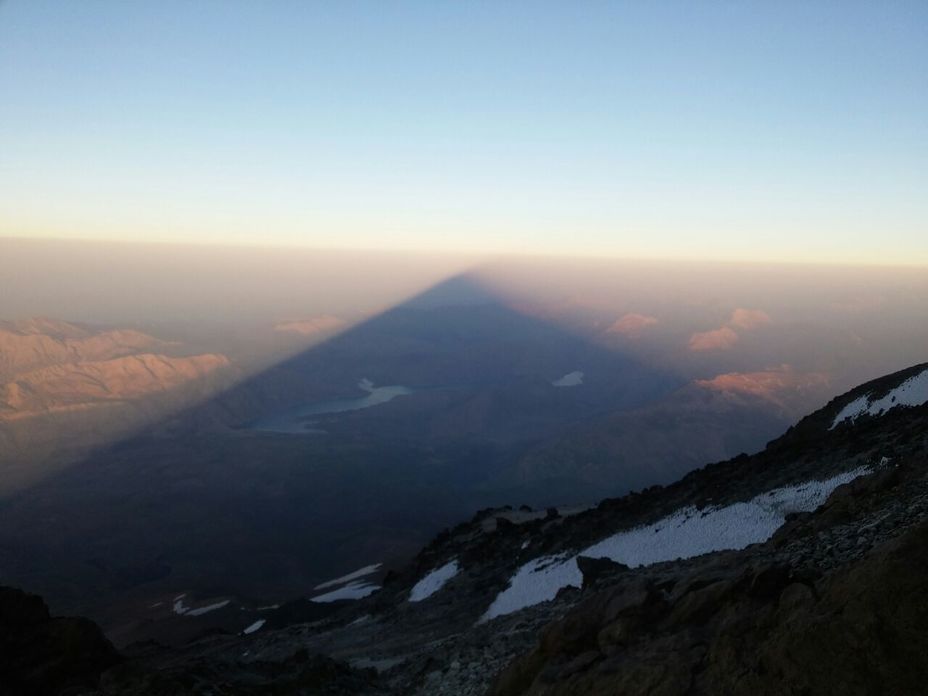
<point x="459" y="336"/>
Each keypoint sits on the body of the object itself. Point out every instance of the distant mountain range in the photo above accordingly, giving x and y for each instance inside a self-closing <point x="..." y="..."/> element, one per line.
<point x="66" y="388"/>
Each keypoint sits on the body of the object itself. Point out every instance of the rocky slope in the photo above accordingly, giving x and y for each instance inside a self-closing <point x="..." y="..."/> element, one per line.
<point x="835" y="605"/>
<point x="797" y="570"/>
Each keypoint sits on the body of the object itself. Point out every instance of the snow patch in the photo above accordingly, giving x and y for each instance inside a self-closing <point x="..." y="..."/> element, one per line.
<point x="353" y="590"/>
<point x="571" y="379"/>
<point x="912" y="392"/>
<point x="256" y="626"/>
<point x="359" y="573"/>
<point x="181" y="609"/>
<point x="199" y="611"/>
<point x="686" y="533"/>
<point x="433" y="582"/>
<point x="537" y="581"/>
<point x="179" y="606"/>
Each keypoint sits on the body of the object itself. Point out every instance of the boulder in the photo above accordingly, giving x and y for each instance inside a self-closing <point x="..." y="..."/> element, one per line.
<point x="593" y="569"/>
<point x="44" y="656"/>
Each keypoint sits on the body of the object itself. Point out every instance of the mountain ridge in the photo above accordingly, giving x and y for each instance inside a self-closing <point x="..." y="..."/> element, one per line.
<point x="67" y="388"/>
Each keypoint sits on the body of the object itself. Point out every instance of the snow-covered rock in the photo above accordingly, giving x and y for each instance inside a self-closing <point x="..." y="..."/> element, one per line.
<point x="353" y="590"/>
<point x="433" y="581"/>
<point x="912" y="392"/>
<point x="345" y="579"/>
<point x="181" y="608"/>
<point x="256" y="626"/>
<point x="687" y="532"/>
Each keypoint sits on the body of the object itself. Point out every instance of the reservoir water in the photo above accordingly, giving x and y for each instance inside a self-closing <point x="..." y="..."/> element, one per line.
<point x="298" y="420"/>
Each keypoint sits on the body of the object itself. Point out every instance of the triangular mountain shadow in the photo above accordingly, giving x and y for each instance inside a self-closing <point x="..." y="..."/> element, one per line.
<point x="207" y="501"/>
<point x="455" y="336"/>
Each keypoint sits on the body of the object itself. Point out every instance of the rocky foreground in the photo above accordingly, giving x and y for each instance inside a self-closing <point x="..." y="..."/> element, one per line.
<point x="833" y="602"/>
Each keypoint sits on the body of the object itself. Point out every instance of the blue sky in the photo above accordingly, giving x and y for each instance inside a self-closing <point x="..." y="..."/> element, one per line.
<point x="722" y="130"/>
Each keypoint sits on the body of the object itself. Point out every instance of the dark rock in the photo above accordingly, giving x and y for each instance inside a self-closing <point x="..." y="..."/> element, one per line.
<point x="594" y="569"/>
<point x="795" y="598"/>
<point x="631" y="597"/>
<point x="766" y="582"/>
<point x="504" y="524"/>
<point x="579" y="663"/>
<point x="700" y="604"/>
<point x="44" y="656"/>
<point x="300" y="673"/>
<point x="301" y="611"/>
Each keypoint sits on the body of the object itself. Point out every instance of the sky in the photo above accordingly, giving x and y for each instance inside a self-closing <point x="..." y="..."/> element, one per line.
<point x="773" y="131"/>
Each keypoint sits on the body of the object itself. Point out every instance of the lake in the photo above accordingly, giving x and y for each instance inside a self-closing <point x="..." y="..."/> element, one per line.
<point x="295" y="421"/>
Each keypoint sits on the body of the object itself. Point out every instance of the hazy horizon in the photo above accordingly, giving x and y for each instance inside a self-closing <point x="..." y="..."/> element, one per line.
<point x="76" y="278"/>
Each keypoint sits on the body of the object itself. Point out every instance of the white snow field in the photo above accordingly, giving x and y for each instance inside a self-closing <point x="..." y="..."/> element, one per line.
<point x="686" y="533"/>
<point x="571" y="379"/>
<point x="199" y="611"/>
<point x="359" y="573"/>
<point x="433" y="581"/>
<point x="353" y="590"/>
<point x="912" y="392"/>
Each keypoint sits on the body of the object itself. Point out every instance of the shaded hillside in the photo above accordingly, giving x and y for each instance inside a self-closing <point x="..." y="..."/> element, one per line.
<point x="660" y="442"/>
